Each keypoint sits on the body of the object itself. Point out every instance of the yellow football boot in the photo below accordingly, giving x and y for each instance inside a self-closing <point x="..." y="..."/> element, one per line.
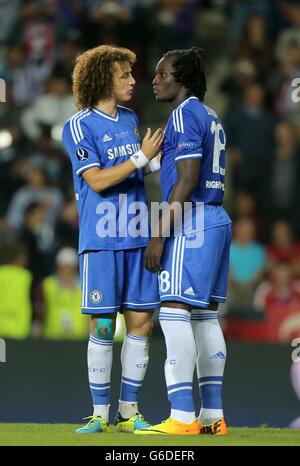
<point x="171" y="427"/>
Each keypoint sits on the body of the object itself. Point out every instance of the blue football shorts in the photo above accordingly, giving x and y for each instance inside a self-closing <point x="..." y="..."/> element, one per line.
<point x="112" y="281"/>
<point x="196" y="276"/>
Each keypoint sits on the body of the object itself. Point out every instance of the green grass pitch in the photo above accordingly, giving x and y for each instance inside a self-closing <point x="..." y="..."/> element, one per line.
<point x="63" y="434"/>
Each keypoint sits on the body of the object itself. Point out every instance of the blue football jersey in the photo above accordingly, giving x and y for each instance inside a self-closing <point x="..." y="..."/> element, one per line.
<point x="93" y="138"/>
<point x="195" y="131"/>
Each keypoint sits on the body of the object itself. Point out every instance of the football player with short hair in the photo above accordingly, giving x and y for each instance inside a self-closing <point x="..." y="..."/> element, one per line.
<point x="103" y="143"/>
<point x="193" y="276"/>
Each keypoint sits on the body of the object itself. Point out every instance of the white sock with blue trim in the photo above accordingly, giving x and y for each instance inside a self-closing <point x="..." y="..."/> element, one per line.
<point x="134" y="359"/>
<point x="100" y="356"/>
<point x="180" y="362"/>
<point x="210" y="363"/>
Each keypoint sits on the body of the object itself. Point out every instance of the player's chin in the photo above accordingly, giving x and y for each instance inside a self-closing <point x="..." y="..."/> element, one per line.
<point x="125" y="98"/>
<point x="129" y="95"/>
<point x="161" y="98"/>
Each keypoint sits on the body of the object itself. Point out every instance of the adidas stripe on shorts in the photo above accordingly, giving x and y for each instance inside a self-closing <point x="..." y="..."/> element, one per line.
<point x="196" y="276"/>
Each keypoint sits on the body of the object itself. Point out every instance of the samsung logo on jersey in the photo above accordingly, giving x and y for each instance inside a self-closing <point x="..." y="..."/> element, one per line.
<point x="122" y="151"/>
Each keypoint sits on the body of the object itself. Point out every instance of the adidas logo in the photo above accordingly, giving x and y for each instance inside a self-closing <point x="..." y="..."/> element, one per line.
<point x="189" y="291"/>
<point x="218" y="355"/>
<point x="106" y="138"/>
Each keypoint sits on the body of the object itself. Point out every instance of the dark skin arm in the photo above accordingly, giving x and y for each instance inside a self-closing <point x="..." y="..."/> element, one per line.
<point x="188" y="175"/>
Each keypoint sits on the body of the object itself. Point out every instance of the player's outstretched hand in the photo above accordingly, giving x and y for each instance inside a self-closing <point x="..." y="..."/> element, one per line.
<point x="151" y="144"/>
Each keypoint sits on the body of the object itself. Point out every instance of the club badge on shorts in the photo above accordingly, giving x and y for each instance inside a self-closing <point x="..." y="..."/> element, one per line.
<point x="96" y="296"/>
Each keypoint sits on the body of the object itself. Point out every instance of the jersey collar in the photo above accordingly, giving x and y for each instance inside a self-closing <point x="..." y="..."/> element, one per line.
<point x="105" y="115"/>
<point x="186" y="101"/>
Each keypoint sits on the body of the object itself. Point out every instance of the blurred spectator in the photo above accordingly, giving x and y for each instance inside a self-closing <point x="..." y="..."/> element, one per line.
<point x="50" y="158"/>
<point x="37" y="237"/>
<point x="52" y="108"/>
<point x="242" y="74"/>
<point x="38" y="23"/>
<point x="69" y="50"/>
<point x="107" y="21"/>
<point x="36" y="189"/>
<point x="13" y="146"/>
<point x="284" y="173"/>
<point x="250" y="133"/>
<point x="279" y="298"/>
<point x="71" y="12"/>
<point x="8" y="18"/>
<point x="175" y="22"/>
<point x="245" y="206"/>
<point x="284" y="248"/>
<point x="10" y="144"/>
<point x="255" y="44"/>
<point x="62" y="300"/>
<point x="25" y="78"/>
<point x="240" y="11"/>
<point x="295" y="379"/>
<point x="66" y="228"/>
<point x="290" y="34"/>
<point x="247" y="264"/>
<point x="280" y="84"/>
<point x="15" y="291"/>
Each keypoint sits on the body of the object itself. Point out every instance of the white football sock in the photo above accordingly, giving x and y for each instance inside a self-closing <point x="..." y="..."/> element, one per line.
<point x="210" y="363"/>
<point x="180" y="363"/>
<point x="134" y="359"/>
<point x="100" y="355"/>
<point x="127" y="409"/>
<point x="102" y="411"/>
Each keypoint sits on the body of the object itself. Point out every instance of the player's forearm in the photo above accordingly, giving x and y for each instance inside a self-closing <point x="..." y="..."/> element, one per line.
<point x="106" y="178"/>
<point x="181" y="193"/>
<point x="188" y="172"/>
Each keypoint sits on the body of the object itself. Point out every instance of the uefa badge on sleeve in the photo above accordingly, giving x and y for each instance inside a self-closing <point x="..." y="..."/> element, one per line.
<point x="96" y="296"/>
<point x="82" y="154"/>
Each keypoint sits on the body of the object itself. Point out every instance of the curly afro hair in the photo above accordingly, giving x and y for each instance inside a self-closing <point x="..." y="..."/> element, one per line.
<point x="93" y="73"/>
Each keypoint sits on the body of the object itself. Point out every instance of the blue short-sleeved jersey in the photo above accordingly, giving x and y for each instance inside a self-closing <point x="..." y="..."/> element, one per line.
<point x="195" y="131"/>
<point x="94" y="139"/>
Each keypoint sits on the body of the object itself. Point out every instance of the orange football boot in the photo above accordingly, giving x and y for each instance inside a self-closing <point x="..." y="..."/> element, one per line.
<point x="216" y="428"/>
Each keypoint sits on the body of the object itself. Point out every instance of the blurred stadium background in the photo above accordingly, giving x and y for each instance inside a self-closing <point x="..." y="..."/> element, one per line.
<point x="252" y="51"/>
